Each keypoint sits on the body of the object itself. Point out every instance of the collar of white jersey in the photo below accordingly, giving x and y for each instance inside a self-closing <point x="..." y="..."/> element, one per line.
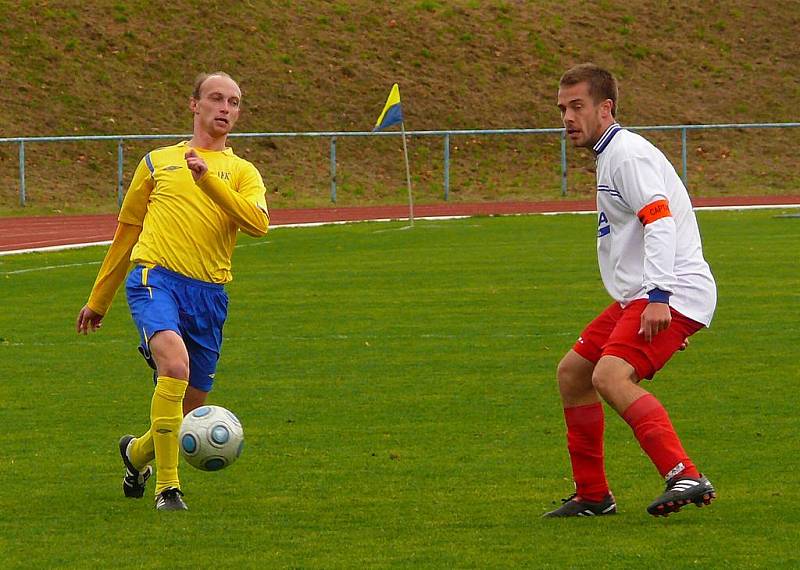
<point x="601" y="144"/>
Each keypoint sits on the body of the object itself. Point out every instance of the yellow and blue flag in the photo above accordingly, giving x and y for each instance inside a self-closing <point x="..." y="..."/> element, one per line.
<point x="392" y="112"/>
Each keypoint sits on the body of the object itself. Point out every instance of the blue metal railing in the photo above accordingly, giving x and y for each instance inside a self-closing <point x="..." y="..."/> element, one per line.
<point x="332" y="135"/>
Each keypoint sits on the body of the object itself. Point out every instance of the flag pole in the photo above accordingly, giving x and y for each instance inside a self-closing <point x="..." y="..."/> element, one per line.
<point x="408" y="176"/>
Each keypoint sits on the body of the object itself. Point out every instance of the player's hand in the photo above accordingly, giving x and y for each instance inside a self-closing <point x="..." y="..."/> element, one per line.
<point x="684" y="344"/>
<point x="655" y="318"/>
<point x="197" y="166"/>
<point x="88" y="321"/>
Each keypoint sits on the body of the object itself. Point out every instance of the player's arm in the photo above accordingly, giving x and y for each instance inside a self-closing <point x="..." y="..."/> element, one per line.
<point x="644" y="189"/>
<point x="660" y="238"/>
<point x="112" y="273"/>
<point x="115" y="264"/>
<point x="251" y="216"/>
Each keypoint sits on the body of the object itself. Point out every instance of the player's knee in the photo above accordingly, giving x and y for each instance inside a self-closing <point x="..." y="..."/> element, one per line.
<point x="605" y="380"/>
<point x="174" y="368"/>
<point x="600" y="382"/>
<point x="170" y="355"/>
<point x="572" y="378"/>
<point x="611" y="376"/>
<point x="564" y="372"/>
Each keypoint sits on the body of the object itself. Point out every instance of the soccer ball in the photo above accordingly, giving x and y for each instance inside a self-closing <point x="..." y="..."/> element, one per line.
<point x="211" y="438"/>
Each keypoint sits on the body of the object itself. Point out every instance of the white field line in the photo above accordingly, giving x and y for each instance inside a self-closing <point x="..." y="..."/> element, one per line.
<point x="754" y="207"/>
<point x="299" y="225"/>
<point x="46" y="267"/>
<point x="55" y="247"/>
<point x="427" y="218"/>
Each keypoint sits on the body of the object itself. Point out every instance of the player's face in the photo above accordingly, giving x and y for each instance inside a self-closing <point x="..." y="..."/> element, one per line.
<point x="584" y="120"/>
<point x="217" y="109"/>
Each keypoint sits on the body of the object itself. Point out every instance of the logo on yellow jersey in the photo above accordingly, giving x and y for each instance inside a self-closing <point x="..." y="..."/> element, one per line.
<point x="172" y="167"/>
<point x="224" y="175"/>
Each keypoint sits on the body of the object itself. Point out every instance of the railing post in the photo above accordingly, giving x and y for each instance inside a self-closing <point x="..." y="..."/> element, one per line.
<point x="683" y="155"/>
<point x="333" y="169"/>
<point x="120" y="192"/>
<point x="21" y="173"/>
<point x="564" y="162"/>
<point x="446" y="165"/>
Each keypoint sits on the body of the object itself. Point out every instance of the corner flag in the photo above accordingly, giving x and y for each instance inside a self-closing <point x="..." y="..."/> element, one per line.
<point x="391" y="115"/>
<point x="392" y="112"/>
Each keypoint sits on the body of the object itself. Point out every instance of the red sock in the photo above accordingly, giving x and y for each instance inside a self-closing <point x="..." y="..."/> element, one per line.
<point x="651" y="426"/>
<point x="585" y="425"/>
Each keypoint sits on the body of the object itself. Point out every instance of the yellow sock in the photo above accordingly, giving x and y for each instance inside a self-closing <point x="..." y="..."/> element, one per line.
<point x="142" y="451"/>
<point x="166" y="414"/>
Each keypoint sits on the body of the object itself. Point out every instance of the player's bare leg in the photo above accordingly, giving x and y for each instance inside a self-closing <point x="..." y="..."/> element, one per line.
<point x="575" y="381"/>
<point x="170" y="354"/>
<point x="616" y="381"/>
<point x="193" y="399"/>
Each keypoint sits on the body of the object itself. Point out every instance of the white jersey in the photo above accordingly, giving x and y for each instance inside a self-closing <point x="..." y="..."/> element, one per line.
<point x="647" y="234"/>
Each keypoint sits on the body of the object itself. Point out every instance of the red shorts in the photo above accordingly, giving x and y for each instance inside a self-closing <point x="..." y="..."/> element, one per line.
<point x="615" y="332"/>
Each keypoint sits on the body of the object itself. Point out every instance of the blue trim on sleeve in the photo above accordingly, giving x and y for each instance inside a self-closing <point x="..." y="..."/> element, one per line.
<point x="149" y="163"/>
<point x="658" y="296"/>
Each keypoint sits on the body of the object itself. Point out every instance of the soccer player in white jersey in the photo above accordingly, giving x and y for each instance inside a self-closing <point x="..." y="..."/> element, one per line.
<point x="651" y="262"/>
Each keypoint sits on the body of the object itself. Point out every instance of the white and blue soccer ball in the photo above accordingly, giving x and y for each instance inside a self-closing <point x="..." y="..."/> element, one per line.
<point x="211" y="438"/>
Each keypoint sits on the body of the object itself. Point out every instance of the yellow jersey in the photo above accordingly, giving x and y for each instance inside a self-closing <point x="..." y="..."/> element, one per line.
<point x="190" y="227"/>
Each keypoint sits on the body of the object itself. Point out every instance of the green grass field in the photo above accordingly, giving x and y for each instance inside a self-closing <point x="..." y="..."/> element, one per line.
<point x="400" y="410"/>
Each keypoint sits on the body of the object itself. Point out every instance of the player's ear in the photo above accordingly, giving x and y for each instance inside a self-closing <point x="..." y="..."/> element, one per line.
<point x="193" y="105"/>
<point x="608" y="107"/>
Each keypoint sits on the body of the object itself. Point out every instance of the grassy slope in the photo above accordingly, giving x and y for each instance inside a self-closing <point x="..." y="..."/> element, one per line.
<point x="112" y="67"/>
<point x="420" y="427"/>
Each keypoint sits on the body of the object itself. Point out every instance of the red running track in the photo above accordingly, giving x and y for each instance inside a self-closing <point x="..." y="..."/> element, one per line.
<point x="24" y="233"/>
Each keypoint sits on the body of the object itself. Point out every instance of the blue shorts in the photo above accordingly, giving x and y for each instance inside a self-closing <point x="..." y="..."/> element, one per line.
<point x="162" y="300"/>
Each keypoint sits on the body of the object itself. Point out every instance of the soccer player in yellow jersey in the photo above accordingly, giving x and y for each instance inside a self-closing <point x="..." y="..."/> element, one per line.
<point x="178" y="226"/>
